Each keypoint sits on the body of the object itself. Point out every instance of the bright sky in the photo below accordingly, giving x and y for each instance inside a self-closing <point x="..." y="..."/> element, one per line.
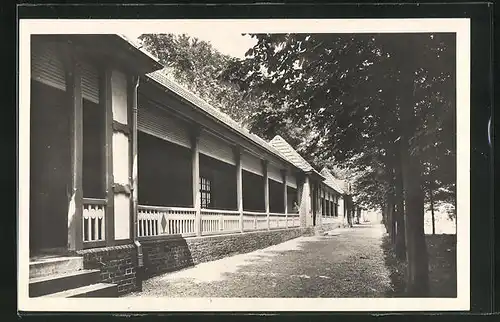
<point x="227" y="42"/>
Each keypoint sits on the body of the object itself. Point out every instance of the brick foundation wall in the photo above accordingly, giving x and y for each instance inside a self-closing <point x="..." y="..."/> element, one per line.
<point x="165" y="254"/>
<point x="118" y="265"/>
<point x="168" y="254"/>
<point x="324" y="227"/>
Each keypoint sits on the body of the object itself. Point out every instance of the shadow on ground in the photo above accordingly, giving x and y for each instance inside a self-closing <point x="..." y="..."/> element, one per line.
<point x="349" y="265"/>
<point x="442" y="266"/>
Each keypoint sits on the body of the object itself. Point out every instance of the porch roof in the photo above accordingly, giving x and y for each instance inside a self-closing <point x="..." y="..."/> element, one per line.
<point x="160" y="78"/>
<point x="293" y="156"/>
<point x="119" y="48"/>
<point x="332" y="181"/>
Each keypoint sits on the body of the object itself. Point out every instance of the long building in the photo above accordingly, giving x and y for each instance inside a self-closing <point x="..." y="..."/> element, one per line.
<point x="132" y="175"/>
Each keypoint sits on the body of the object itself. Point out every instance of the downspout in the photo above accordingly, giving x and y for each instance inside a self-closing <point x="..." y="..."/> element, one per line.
<point x="138" y="246"/>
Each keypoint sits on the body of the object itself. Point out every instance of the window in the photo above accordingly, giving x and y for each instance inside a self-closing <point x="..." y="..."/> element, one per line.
<point x="205" y="192"/>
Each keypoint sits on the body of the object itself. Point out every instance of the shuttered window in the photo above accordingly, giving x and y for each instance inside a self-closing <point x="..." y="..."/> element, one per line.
<point x="216" y="148"/>
<point x="291" y="181"/>
<point x="158" y="123"/>
<point x="90" y="82"/>
<point x="251" y="164"/>
<point x="274" y="173"/>
<point x="47" y="67"/>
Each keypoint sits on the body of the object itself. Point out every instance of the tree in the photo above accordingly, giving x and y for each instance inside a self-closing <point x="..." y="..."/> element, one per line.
<point x="196" y="65"/>
<point x="366" y="100"/>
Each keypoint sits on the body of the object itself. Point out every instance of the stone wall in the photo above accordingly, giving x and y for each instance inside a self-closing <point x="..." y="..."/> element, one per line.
<point x="333" y="223"/>
<point x="118" y="265"/>
<point x="166" y="254"/>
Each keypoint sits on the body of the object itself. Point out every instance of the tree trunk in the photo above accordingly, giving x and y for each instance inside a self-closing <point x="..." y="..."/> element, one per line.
<point x="417" y="279"/>
<point x="392" y="221"/>
<point x="400" y="215"/>
<point x="406" y="60"/>
<point x="456" y="226"/>
<point x="385" y="219"/>
<point x="431" y="199"/>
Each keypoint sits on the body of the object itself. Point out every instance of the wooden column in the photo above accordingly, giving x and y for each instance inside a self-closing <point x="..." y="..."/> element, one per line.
<point x="239" y="184"/>
<point x="307" y="200"/>
<point x="328" y="201"/>
<point x="105" y="98"/>
<point x="120" y="106"/>
<point x="331" y="197"/>
<point x="285" y="197"/>
<point x="75" y="210"/>
<point x="195" y="161"/>
<point x="321" y="202"/>
<point x="266" y="191"/>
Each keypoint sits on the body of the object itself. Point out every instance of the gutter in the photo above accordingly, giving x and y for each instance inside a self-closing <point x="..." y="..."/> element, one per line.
<point x="140" y="262"/>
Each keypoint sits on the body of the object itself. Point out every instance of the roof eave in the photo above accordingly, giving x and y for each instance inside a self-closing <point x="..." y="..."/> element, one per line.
<point x="147" y="63"/>
<point x="217" y="120"/>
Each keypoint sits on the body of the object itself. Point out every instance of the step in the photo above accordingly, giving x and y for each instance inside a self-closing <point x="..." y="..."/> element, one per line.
<point x="94" y="290"/>
<point x="39" y="286"/>
<point x="55" y="265"/>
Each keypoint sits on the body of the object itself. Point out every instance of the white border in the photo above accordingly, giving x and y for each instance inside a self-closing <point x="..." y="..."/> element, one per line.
<point x="460" y="26"/>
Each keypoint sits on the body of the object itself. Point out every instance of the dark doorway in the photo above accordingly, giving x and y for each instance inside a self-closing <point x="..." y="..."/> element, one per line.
<point x="94" y="174"/>
<point x="253" y="192"/>
<point x="293" y="203"/>
<point x="164" y="176"/>
<point x="50" y="167"/>
<point x="276" y="197"/>
<point x="221" y="188"/>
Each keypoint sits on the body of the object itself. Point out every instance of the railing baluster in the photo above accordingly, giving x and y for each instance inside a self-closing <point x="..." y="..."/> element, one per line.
<point x="89" y="224"/>
<point x="96" y="223"/>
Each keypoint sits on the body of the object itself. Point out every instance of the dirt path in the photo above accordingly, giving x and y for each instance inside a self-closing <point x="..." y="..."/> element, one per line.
<point x="347" y="263"/>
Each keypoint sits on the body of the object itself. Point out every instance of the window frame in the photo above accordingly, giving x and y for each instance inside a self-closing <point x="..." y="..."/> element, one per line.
<point x="205" y="189"/>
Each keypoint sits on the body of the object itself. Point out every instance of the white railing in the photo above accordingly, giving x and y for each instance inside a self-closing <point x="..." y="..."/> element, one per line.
<point x="277" y="220"/>
<point x="94" y="211"/>
<point x="157" y="220"/>
<point x="218" y="221"/>
<point x="154" y="221"/>
<point x="329" y="219"/>
<point x="293" y="220"/>
<point x="253" y="220"/>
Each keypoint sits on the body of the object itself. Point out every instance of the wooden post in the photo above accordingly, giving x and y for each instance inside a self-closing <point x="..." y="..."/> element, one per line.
<point x="195" y="160"/>
<point x="285" y="197"/>
<point x="321" y="202"/>
<point x="307" y="210"/>
<point x="266" y="191"/>
<point x="105" y="95"/>
<point x="75" y="212"/>
<point x="315" y="203"/>
<point x="329" y="201"/>
<point x="239" y="185"/>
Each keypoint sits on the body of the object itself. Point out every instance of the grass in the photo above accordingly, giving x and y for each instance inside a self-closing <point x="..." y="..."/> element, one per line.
<point x="442" y="266"/>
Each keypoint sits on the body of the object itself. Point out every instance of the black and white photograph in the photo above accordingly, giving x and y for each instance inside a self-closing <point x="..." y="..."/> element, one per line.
<point x="239" y="165"/>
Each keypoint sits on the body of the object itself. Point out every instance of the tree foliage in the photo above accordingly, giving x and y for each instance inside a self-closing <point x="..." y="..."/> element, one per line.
<point x="197" y="65"/>
<point x="342" y="94"/>
<point x="380" y="104"/>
